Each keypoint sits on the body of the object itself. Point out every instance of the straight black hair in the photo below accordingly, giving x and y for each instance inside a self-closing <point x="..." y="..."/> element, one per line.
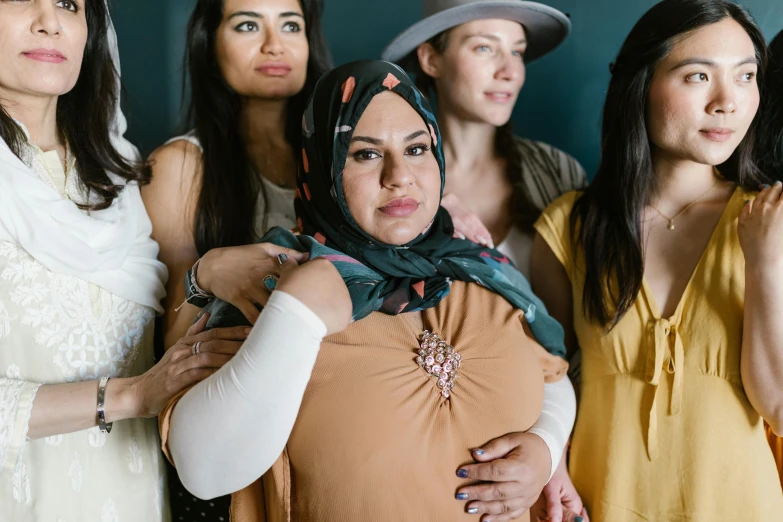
<point x="606" y="220"/>
<point x="229" y="189"/>
<point x="770" y="148"/>
<point x="85" y="116"/>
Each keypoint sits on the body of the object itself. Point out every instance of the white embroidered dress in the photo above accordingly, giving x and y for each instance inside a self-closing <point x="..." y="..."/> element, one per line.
<point x="56" y="329"/>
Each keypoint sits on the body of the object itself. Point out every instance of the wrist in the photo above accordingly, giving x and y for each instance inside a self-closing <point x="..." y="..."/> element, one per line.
<point x="201" y="273"/>
<point x="544" y="452"/>
<point x="763" y="272"/>
<point x="122" y="400"/>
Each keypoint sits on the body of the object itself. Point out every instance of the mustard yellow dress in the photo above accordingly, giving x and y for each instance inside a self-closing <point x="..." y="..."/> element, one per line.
<point x="665" y="432"/>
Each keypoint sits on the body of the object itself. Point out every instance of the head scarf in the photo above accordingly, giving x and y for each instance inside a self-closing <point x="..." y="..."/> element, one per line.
<point x="392" y="279"/>
<point x="111" y="248"/>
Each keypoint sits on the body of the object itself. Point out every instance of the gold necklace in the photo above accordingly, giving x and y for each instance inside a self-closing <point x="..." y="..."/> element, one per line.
<point x="670" y="226"/>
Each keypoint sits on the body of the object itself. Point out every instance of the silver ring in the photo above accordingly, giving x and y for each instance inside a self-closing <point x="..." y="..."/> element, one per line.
<point x="270" y="282"/>
<point x="196" y="348"/>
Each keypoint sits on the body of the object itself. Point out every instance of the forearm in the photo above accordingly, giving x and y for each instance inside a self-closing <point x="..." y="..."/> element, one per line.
<point x="229" y="429"/>
<point x="66" y="408"/>
<point x="557" y="417"/>
<point x="762" y="343"/>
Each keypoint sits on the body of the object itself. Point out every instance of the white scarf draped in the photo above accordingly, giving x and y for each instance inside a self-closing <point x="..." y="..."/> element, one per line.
<point x="111" y="248"/>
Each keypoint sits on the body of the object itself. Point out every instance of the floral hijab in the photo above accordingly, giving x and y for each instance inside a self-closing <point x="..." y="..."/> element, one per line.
<point x="392" y="279"/>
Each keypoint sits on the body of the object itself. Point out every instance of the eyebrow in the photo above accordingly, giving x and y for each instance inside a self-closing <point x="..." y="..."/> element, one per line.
<point x="415" y="135"/>
<point x="376" y="141"/>
<point x="711" y="64"/>
<point x="253" y="14"/>
<point x="491" y="37"/>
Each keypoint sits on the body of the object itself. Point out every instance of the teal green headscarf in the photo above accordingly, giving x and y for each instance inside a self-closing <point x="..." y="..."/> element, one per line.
<point x="392" y="279"/>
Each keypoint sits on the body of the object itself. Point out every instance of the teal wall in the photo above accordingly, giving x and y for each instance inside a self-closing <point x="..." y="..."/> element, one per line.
<point x="560" y="104"/>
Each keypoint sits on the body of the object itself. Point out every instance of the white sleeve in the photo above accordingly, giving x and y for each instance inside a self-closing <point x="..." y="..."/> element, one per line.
<point x="230" y="428"/>
<point x="557" y="418"/>
<point x="16" y="406"/>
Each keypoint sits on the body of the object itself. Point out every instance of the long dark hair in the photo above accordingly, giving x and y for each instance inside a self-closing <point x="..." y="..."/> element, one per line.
<point x="85" y="116"/>
<point x="523" y="213"/>
<point x="770" y="146"/>
<point x="225" y="212"/>
<point x="606" y="220"/>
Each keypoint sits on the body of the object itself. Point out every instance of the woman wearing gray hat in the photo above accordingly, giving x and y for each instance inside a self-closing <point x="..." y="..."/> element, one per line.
<point x="471" y="55"/>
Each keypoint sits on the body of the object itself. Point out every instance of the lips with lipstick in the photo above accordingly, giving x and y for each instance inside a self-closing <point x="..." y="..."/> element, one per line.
<point x="401" y="207"/>
<point x="719" y="134"/>
<point x="274" y="68"/>
<point x="45" y="55"/>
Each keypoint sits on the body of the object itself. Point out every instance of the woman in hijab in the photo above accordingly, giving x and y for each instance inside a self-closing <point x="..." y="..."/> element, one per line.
<point x="79" y="281"/>
<point x="440" y="356"/>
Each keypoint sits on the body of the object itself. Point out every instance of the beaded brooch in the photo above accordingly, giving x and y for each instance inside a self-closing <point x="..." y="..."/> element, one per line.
<point x="440" y="360"/>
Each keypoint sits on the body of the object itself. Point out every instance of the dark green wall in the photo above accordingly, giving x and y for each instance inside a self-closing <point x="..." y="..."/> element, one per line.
<point x="560" y="104"/>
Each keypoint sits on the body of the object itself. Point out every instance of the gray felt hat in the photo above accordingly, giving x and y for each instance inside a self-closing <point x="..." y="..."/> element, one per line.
<point x="545" y="26"/>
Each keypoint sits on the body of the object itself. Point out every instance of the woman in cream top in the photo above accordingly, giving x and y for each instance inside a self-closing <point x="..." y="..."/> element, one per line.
<point x="80" y="282"/>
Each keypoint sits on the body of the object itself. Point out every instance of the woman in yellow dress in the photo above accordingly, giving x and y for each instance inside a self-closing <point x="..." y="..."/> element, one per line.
<point x="666" y="271"/>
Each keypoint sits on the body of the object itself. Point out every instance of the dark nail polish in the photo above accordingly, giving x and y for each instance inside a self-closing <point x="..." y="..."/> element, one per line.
<point x="472" y="511"/>
<point x="778" y="182"/>
<point x="282" y="258"/>
<point x="478" y="451"/>
<point x="747" y="201"/>
<point x="579" y="519"/>
<point x="462" y="496"/>
<point x="462" y="473"/>
<point x="765" y="186"/>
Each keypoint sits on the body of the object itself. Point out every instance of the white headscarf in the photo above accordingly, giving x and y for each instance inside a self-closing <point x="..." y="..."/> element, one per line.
<point x="111" y="248"/>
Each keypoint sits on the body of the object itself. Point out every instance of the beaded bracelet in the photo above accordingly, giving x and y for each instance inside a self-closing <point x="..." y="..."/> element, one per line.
<point x="194" y="294"/>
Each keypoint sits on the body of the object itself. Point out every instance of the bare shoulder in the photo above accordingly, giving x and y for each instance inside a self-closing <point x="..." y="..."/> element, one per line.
<point x="177" y="162"/>
<point x="172" y="194"/>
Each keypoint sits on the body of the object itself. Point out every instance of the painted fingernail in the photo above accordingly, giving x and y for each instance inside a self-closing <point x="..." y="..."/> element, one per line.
<point x="765" y="186"/>
<point x="478" y="451"/>
<point x="747" y="201"/>
<point x="462" y="473"/>
<point x="472" y="511"/>
<point x="778" y="182"/>
<point x="579" y="519"/>
<point x="281" y="258"/>
<point x="462" y="496"/>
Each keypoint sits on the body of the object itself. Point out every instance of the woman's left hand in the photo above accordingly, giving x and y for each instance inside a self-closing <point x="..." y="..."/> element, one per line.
<point x="514" y="469"/>
<point x="760" y="229"/>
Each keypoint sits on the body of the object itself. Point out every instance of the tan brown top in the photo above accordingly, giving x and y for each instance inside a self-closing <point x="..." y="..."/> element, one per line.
<point x="376" y="440"/>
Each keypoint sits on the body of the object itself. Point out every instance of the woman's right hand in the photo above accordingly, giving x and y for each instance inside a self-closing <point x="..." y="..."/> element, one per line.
<point x="467" y="224"/>
<point x="320" y="287"/>
<point x="179" y="368"/>
<point x="236" y="274"/>
<point x="559" y="502"/>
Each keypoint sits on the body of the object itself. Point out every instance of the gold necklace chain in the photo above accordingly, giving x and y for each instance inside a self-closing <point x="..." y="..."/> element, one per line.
<point x="670" y="225"/>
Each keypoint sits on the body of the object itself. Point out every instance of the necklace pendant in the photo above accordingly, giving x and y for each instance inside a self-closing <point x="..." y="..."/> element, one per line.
<point x="670" y="226"/>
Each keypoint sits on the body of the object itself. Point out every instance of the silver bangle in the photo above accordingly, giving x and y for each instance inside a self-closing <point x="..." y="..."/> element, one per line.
<point x="105" y="428"/>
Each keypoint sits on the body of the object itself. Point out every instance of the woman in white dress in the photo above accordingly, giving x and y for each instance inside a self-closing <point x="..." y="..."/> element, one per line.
<point x="79" y="281"/>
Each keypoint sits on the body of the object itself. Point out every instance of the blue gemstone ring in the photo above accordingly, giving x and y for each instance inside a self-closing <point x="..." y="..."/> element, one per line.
<point x="270" y="282"/>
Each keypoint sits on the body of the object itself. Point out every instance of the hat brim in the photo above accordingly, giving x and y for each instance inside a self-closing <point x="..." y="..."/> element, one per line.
<point x="545" y="27"/>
